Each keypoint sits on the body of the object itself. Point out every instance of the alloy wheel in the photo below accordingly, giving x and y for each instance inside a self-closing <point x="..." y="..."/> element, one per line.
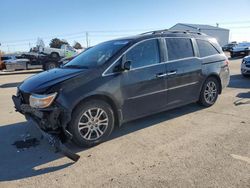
<point x="93" y="123"/>
<point x="210" y="92"/>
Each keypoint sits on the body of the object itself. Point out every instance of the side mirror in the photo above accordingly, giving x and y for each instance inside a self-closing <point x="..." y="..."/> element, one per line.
<point x="126" y="65"/>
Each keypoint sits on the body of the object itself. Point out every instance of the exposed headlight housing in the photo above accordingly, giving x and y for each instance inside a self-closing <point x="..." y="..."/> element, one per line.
<point x="42" y="101"/>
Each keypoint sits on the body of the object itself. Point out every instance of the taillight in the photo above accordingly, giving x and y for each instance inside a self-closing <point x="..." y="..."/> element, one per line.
<point x="226" y="62"/>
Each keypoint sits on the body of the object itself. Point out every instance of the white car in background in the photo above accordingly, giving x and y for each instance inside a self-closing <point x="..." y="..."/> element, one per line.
<point x="64" y="51"/>
<point x="13" y="63"/>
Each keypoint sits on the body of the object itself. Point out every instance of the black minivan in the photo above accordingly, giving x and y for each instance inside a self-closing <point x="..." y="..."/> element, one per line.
<point x="122" y="80"/>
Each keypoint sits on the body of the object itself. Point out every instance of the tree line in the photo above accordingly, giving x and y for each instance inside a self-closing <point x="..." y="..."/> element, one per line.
<point x="57" y="43"/>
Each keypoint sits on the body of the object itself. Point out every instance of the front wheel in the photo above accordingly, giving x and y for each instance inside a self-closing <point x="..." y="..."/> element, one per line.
<point x="92" y="123"/>
<point x="209" y="92"/>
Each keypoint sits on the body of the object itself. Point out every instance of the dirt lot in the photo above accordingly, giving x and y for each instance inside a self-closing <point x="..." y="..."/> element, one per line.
<point x="186" y="147"/>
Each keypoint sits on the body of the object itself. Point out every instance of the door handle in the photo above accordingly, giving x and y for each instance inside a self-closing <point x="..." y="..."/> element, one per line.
<point x="160" y="75"/>
<point x="171" y="73"/>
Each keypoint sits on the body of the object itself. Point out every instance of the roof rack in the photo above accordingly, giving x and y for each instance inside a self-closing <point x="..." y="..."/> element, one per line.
<point x="171" y="31"/>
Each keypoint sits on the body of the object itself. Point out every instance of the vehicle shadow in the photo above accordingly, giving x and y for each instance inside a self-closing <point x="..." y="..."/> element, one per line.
<point x="22" y="163"/>
<point x="238" y="81"/>
<point x="15" y="164"/>
<point x="14" y="84"/>
<point x="244" y="98"/>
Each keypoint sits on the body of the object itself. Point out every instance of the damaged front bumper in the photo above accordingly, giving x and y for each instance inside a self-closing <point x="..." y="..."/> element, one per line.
<point x="51" y="122"/>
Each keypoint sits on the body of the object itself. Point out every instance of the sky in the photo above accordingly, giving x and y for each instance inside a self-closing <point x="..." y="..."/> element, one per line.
<point x="23" y="21"/>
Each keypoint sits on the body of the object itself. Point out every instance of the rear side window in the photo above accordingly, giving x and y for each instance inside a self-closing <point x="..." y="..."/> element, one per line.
<point x="143" y="54"/>
<point x="206" y="48"/>
<point x="179" y="48"/>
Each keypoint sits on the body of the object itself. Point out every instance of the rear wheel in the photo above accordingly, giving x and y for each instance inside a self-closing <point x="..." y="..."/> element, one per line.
<point x="50" y="65"/>
<point x="92" y="123"/>
<point x="54" y="55"/>
<point x="209" y="92"/>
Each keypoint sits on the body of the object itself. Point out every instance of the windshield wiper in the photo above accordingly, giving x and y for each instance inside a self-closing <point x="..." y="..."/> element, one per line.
<point x="75" y="66"/>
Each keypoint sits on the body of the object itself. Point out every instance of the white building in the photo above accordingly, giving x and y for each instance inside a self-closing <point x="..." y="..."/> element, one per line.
<point x="221" y="34"/>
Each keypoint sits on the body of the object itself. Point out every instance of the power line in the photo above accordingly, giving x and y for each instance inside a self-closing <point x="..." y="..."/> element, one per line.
<point x="234" y="22"/>
<point x="80" y="33"/>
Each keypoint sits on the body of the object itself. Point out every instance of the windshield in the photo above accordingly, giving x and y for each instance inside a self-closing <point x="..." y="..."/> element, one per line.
<point x="97" y="55"/>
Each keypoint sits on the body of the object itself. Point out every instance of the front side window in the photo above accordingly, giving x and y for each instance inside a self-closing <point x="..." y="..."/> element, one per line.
<point x="144" y="53"/>
<point x="179" y="48"/>
<point x="206" y="48"/>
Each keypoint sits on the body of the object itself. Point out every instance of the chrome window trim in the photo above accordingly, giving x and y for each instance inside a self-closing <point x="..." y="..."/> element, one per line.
<point x="104" y="73"/>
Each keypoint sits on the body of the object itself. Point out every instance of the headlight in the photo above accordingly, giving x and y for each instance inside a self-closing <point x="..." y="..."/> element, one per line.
<point x="243" y="61"/>
<point x="42" y="101"/>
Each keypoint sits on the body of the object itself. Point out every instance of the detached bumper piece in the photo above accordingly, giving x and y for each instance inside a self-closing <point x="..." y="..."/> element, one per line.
<point x="59" y="146"/>
<point x="44" y="122"/>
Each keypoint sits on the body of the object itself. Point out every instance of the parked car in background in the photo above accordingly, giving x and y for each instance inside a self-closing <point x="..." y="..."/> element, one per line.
<point x="245" y="66"/>
<point x="15" y="62"/>
<point x="241" y="49"/>
<point x="2" y="64"/>
<point x="64" y="51"/>
<point x="121" y="80"/>
<point x="228" y="47"/>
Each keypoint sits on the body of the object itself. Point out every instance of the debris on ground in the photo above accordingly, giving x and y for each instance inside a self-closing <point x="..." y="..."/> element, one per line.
<point x="26" y="143"/>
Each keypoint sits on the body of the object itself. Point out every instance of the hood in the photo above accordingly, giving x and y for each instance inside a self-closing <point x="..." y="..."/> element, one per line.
<point x="46" y="79"/>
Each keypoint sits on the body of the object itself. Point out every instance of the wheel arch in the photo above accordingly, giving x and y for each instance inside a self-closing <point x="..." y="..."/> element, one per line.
<point x="217" y="77"/>
<point x="107" y="99"/>
<point x="55" y="53"/>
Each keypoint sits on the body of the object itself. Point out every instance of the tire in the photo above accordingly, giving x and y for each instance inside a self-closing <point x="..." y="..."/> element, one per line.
<point x="54" y="55"/>
<point x="50" y="65"/>
<point x="92" y="132"/>
<point x="209" y="92"/>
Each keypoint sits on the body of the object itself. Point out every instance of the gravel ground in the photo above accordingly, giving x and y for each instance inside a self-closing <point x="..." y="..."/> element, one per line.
<point x="185" y="147"/>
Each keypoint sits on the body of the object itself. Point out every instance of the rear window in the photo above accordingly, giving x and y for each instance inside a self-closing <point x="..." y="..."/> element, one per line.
<point x="206" y="48"/>
<point x="179" y="48"/>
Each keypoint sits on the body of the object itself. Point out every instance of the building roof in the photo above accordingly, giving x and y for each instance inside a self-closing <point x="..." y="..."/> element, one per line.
<point x="200" y="26"/>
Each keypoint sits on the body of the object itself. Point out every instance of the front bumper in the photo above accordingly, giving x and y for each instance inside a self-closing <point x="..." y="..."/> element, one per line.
<point x="245" y="68"/>
<point x="48" y="122"/>
<point x="239" y="53"/>
<point x="47" y="119"/>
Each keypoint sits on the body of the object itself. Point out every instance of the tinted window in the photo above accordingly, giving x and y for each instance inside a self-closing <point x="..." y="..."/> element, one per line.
<point x="206" y="48"/>
<point x="145" y="53"/>
<point x="179" y="48"/>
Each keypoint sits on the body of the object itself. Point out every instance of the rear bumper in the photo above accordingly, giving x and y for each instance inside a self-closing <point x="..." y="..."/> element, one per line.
<point x="225" y="77"/>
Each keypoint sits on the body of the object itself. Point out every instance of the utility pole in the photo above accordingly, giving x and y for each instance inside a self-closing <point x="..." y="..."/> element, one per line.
<point x="87" y="39"/>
